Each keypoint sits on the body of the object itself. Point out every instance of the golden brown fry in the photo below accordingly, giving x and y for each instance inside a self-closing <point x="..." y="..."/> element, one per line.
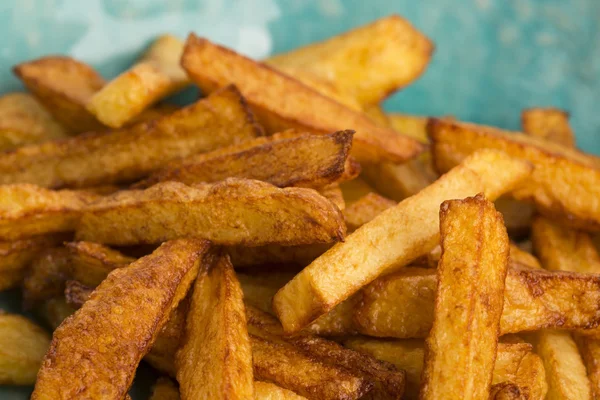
<point x="27" y="210"/>
<point x="54" y="311"/>
<point x="259" y="288"/>
<point x="369" y="62"/>
<point x="548" y="123"/>
<point x="514" y="362"/>
<point x="77" y="293"/>
<point x="270" y="391"/>
<point x="365" y="209"/>
<point x="17" y="255"/>
<point x="292" y="369"/>
<point x="303" y="161"/>
<point x="157" y="75"/>
<point x="521" y="258"/>
<point x="231" y="212"/>
<point x="282" y="102"/>
<point x="561" y="178"/>
<point x="401" y="305"/>
<point x="517" y="216"/>
<point x="379" y="246"/>
<point x="214" y="360"/>
<point x="506" y="391"/>
<point x="355" y="189"/>
<point x="460" y="350"/>
<point x="46" y="276"/>
<point x="164" y="389"/>
<point x="589" y="349"/>
<point x="132" y="153"/>
<point x="22" y="348"/>
<point x="90" y="263"/>
<point x="376" y="113"/>
<point x="333" y="193"/>
<point x="398" y="181"/>
<point x="144" y="294"/>
<point x="411" y="125"/>
<point x="64" y="86"/>
<point x="23" y="121"/>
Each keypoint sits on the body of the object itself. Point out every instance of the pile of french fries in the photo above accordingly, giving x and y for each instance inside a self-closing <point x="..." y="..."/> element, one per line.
<point x="284" y="238"/>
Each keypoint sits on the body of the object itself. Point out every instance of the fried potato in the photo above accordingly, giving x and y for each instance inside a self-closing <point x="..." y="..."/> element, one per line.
<point x="214" y="360"/>
<point x="365" y="209"/>
<point x="561" y="178"/>
<point x="164" y="389"/>
<point x="22" y="348"/>
<point x="355" y="189"/>
<point x="548" y="123"/>
<point x="410" y="125"/>
<point x="517" y="216"/>
<point x="270" y="391"/>
<point x="144" y="294"/>
<point x="379" y="247"/>
<point x="522" y="259"/>
<point x="565" y="372"/>
<point x="506" y="391"/>
<point x="369" y="62"/>
<point x="589" y="349"/>
<point x="134" y="152"/>
<point x="303" y="161"/>
<point x="77" y="293"/>
<point x="28" y="210"/>
<point x="231" y="212"/>
<point x="54" y="311"/>
<point x="460" y="350"/>
<point x="333" y="193"/>
<point x="401" y="305"/>
<point x="398" y="181"/>
<point x="46" y="276"/>
<point x="291" y="256"/>
<point x="281" y="102"/>
<point x="157" y="75"/>
<point x="285" y="365"/>
<point x="90" y="263"/>
<point x="64" y="86"/>
<point x="23" y="120"/>
<point x="17" y="255"/>
<point x="514" y="362"/>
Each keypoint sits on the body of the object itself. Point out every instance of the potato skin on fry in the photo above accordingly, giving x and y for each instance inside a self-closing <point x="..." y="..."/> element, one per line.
<point x="95" y="352"/>
<point x="234" y="211"/>
<point x="214" y="360"/>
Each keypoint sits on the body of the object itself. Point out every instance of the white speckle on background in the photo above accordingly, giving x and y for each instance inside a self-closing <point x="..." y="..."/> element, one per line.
<point x="331" y="8"/>
<point x="545" y="39"/>
<point x="254" y="41"/>
<point x="483" y="5"/>
<point x="508" y="35"/>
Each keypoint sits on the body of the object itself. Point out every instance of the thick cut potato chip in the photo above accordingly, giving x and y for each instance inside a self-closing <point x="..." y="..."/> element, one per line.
<point x="380" y="247"/>
<point x="270" y="391"/>
<point x="514" y="362"/>
<point x="121" y="321"/>
<point x="27" y="210"/>
<point x="22" y="348"/>
<point x="64" y="86"/>
<point x="401" y="305"/>
<point x="548" y="123"/>
<point x="157" y="75"/>
<point x="235" y="211"/>
<point x="134" y="152"/>
<point x="369" y="62"/>
<point x="365" y="209"/>
<point x="23" y="121"/>
<point x="460" y="350"/>
<point x="46" y="276"/>
<point x="560" y="179"/>
<point x="164" y="389"/>
<point x="281" y="102"/>
<point x="214" y="360"/>
<point x="303" y="161"/>
<point x="90" y="263"/>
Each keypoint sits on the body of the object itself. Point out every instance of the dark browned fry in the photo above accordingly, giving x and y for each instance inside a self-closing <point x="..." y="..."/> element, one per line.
<point x="91" y="262"/>
<point x="46" y="276"/>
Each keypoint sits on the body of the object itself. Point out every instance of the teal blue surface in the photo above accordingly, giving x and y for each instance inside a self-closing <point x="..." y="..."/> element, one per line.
<point x="492" y="59"/>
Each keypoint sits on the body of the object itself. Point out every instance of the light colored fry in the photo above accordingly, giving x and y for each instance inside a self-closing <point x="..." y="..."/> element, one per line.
<point x="22" y="348"/>
<point x="144" y="294"/>
<point x="64" y="86"/>
<point x="23" y="121"/>
<point x="270" y="391"/>
<point x="164" y="389"/>
<point x="379" y="246"/>
<point x="132" y="153"/>
<point x="376" y="113"/>
<point x="460" y="350"/>
<point x="561" y="176"/>
<point x="411" y="125"/>
<point x="365" y="209"/>
<point x="548" y="123"/>
<point x="282" y="102"/>
<point x="369" y="62"/>
<point x="27" y="210"/>
<point x="214" y="360"/>
<point x="90" y="263"/>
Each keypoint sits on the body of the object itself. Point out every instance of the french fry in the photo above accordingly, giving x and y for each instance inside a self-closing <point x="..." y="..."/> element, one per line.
<point x="27" y="210"/>
<point x="281" y="102"/>
<point x="214" y="360"/>
<point x="506" y="391"/>
<point x="249" y="213"/>
<point x="303" y="161"/>
<point x="54" y="311"/>
<point x="401" y="305"/>
<point x="64" y="86"/>
<point x="22" y="348"/>
<point x="548" y="123"/>
<point x="164" y="389"/>
<point x="333" y="193"/>
<point x="293" y="256"/>
<point x="23" y="121"/>
<point x="589" y="349"/>
<point x="90" y="263"/>
<point x="522" y="259"/>
<point x="369" y="62"/>
<point x="411" y="125"/>
<point x="355" y="189"/>
<point x="460" y="350"/>
<point x="345" y="268"/>
<point x="560" y="179"/>
<point x="398" y="181"/>
<point x="46" y="276"/>
<point x="77" y="293"/>
<point x="514" y="362"/>
<point x="145" y="293"/>
<point x="17" y="255"/>
<point x="156" y="76"/>
<point x="517" y="216"/>
<point x="134" y="152"/>
<point x="270" y="391"/>
<point x="376" y="113"/>
<point x="365" y="209"/>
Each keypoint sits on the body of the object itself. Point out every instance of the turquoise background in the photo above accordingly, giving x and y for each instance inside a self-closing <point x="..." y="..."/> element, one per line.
<point x="493" y="58"/>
